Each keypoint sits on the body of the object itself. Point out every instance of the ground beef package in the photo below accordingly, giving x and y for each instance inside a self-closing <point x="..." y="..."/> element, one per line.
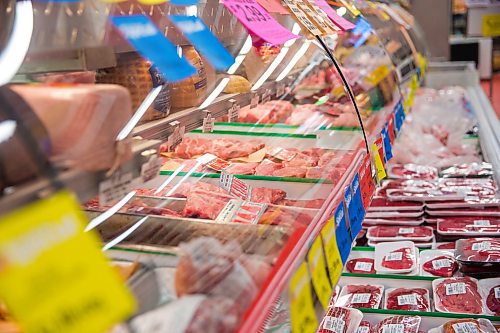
<point x="340" y="320"/>
<point x="360" y="296"/>
<point x="406" y="299"/>
<point x="399" y="324"/>
<point x="457" y="295"/>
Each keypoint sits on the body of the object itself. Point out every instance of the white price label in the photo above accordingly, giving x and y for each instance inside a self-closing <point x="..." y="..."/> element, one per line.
<point x="280" y="89"/>
<point x="393" y="328"/>
<point x="407" y="299"/>
<point x="394" y="256"/>
<point x="234" y="113"/>
<point x="405" y="231"/>
<point x="151" y="169"/>
<point x="114" y="188"/>
<point x="363" y="266"/>
<point x="482" y="223"/>
<point x="363" y="329"/>
<point x="229" y="210"/>
<point x="441" y="263"/>
<point x="335" y="325"/>
<point x="266" y="96"/>
<point x="254" y="101"/>
<point x="457" y="288"/>
<point x="176" y="137"/>
<point x="465" y="328"/>
<point x="481" y="246"/>
<point x="225" y="180"/>
<point x="360" y="298"/>
<point x="208" y="124"/>
<point x="497" y="292"/>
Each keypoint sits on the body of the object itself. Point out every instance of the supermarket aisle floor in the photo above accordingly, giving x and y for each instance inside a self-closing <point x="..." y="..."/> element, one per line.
<point x="495" y="99"/>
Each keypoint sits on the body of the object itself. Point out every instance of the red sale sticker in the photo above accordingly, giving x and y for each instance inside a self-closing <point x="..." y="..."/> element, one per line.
<point x="235" y="186"/>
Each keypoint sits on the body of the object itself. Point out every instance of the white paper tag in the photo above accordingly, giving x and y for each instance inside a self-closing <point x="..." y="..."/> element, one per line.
<point x="360" y="298"/>
<point x="457" y="288"/>
<point x="407" y="299"/>
<point x="227" y="213"/>
<point x="363" y="266"/>
<point x="393" y="328"/>
<point x="481" y="246"/>
<point x="114" y="188"/>
<point x="266" y="96"/>
<point x="234" y="113"/>
<point x="465" y="328"/>
<point x="394" y="256"/>
<point x="335" y="325"/>
<point x="254" y="101"/>
<point x="208" y="124"/>
<point x="497" y="292"/>
<point x="151" y="169"/>
<point x="176" y="137"/>
<point x="363" y="329"/>
<point x="405" y="231"/>
<point x="482" y="223"/>
<point x="441" y="263"/>
<point x="280" y="89"/>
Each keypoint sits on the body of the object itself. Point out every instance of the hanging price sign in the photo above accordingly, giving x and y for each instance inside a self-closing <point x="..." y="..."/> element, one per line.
<point x="302" y="312"/>
<point x="321" y="283"/>
<point x="379" y="164"/>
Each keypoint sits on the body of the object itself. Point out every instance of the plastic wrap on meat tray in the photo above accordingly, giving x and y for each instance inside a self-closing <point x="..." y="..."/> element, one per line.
<point x="457" y="295"/>
<point x="399" y="324"/>
<point x="412" y="171"/>
<point x="483" y="250"/>
<point x="206" y="266"/>
<point x="360" y="296"/>
<point x="383" y="204"/>
<point x="482" y="169"/>
<point x="407" y="299"/>
<point x="395" y="257"/>
<point x="340" y="320"/>
<point x="361" y="266"/>
<point x="490" y="291"/>
<point x="468" y="226"/>
<point x="437" y="263"/>
<point x="466" y="325"/>
<point x="393" y="233"/>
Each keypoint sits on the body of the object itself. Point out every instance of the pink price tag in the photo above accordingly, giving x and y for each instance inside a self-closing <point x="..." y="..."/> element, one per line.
<point x="273" y="6"/>
<point x="258" y="21"/>
<point x="339" y="21"/>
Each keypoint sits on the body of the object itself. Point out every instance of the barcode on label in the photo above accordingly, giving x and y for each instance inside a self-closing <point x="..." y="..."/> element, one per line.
<point x="497" y="292"/>
<point x="441" y="263"/>
<point x="335" y="325"/>
<point x="363" y="266"/>
<point x="404" y="231"/>
<point x="407" y="299"/>
<point x="481" y="246"/>
<point x="363" y="329"/>
<point x="457" y="288"/>
<point x="393" y="328"/>
<point x="393" y="256"/>
<point x="482" y="223"/>
<point x="465" y="328"/>
<point x="360" y="298"/>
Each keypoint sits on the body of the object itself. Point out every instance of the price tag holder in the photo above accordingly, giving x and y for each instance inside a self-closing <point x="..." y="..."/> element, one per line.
<point x="151" y="169"/>
<point x="332" y="254"/>
<point x="233" y="113"/>
<point x="258" y="21"/>
<point x="208" y="123"/>
<point x="377" y="159"/>
<point x="235" y="186"/>
<point x="302" y="18"/>
<point x="145" y="37"/>
<point x="315" y="17"/>
<point x="355" y="209"/>
<point x="115" y="188"/>
<point x="319" y="276"/>
<point x="53" y="275"/>
<point x="303" y="316"/>
<point x="266" y="96"/>
<point x="344" y="240"/>
<point x="176" y="137"/>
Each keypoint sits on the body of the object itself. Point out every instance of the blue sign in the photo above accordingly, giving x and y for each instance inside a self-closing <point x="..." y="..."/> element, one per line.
<point x="184" y="2"/>
<point x="203" y="40"/>
<point x="363" y="29"/>
<point x="399" y="116"/>
<point x="387" y="144"/>
<point x="356" y="211"/>
<point x="344" y="240"/>
<point x="143" y="35"/>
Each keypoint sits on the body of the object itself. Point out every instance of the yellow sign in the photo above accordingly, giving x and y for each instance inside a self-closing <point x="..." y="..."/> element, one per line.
<point x="381" y="174"/>
<point x="413" y="86"/>
<point x="53" y="276"/>
<point x="316" y="260"/>
<point x="333" y="260"/>
<point x="491" y="25"/>
<point x="380" y="73"/>
<point x="350" y="7"/>
<point x="302" y="312"/>
<point x="422" y="61"/>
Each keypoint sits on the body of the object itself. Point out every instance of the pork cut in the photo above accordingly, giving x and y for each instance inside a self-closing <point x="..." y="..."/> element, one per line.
<point x="190" y="147"/>
<point x="399" y="259"/>
<point x="293" y="172"/>
<point x="230" y="148"/>
<point x="444" y="266"/>
<point x="267" y="168"/>
<point x="241" y="168"/>
<point x="459" y="295"/>
<point x="204" y="204"/>
<point x="313" y="203"/>
<point x="414" y="299"/>
<point x="267" y="195"/>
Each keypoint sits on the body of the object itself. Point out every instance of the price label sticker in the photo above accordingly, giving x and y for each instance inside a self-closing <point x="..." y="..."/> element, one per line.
<point x="315" y="17"/>
<point x="363" y="329"/>
<point x="114" y="188"/>
<point x="333" y="324"/>
<point x="317" y="267"/>
<point x="457" y="288"/>
<point x="332" y="254"/>
<point x="234" y="113"/>
<point x="363" y="266"/>
<point x="176" y="137"/>
<point x="441" y="263"/>
<point x="482" y="223"/>
<point x="360" y="298"/>
<point x="410" y="299"/>
<point x="466" y="327"/>
<point x="497" y="292"/>
<point x="303" y="316"/>
<point x="53" y="275"/>
<point x="330" y="27"/>
<point x="406" y="231"/>
<point x="481" y="246"/>
<point x="394" y="256"/>
<point x="151" y="169"/>
<point x="208" y="123"/>
<point x="379" y="165"/>
<point x="258" y="21"/>
<point x="393" y="328"/>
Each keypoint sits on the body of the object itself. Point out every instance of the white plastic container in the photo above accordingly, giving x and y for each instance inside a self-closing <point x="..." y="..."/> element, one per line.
<point x="387" y="254"/>
<point x="429" y="255"/>
<point x="490" y="291"/>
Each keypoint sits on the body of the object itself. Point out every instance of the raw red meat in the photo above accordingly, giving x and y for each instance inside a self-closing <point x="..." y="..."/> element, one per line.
<point x="396" y="231"/>
<point x="316" y="152"/>
<point x="459" y="295"/>
<point x="229" y="148"/>
<point x="140" y="208"/>
<point x="380" y="202"/>
<point x="241" y="168"/>
<point x="365" y="327"/>
<point x="444" y="266"/>
<point x="301" y="160"/>
<point x="361" y="266"/>
<point x="361" y="296"/>
<point x="293" y="172"/>
<point x="314" y="203"/>
<point x="336" y="320"/>
<point x="413" y="171"/>
<point x="204" y="204"/>
<point x="271" y="112"/>
<point x="415" y="299"/>
<point x="267" y="167"/>
<point x="465" y="224"/>
<point x="446" y="246"/>
<point x="192" y="147"/>
<point x="267" y="195"/>
<point x="327" y="158"/>
<point x="492" y="301"/>
<point x="399" y="259"/>
<point x="478" y="249"/>
<point x="468" y="170"/>
<point x="463" y="325"/>
<point x="399" y="324"/>
<point x="285" y="216"/>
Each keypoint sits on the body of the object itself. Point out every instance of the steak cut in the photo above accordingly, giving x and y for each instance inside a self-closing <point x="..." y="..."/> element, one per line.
<point x="267" y="195"/>
<point x="301" y="160"/>
<point x="459" y="295"/>
<point x="190" y="147"/>
<point x="399" y="259"/>
<point x="415" y="299"/>
<point x="399" y="324"/>
<point x="293" y="172"/>
<point x="204" y="204"/>
<point x="267" y="168"/>
<point x="444" y="266"/>
<point x="493" y="301"/>
<point x="361" y="296"/>
<point x="478" y="250"/>
<point x="361" y="266"/>
<point x="229" y="148"/>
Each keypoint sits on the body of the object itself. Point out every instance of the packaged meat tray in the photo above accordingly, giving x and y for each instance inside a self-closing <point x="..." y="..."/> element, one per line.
<point x="465" y="211"/>
<point x="360" y="296"/>
<point x="479" y="257"/>
<point x="407" y="299"/>
<point x="394" y="233"/>
<point x="457" y="295"/>
<point x="402" y="221"/>
<point x="412" y="171"/>
<point x="381" y="203"/>
<point x="399" y="324"/>
<point x="340" y="320"/>
<point x="420" y="245"/>
<point x="482" y="169"/>
<point x="466" y="326"/>
<point x="361" y="266"/>
<point x="444" y="246"/>
<point x="424" y="195"/>
<point x="394" y="215"/>
<point x="395" y="257"/>
<point x="490" y="291"/>
<point x="468" y="226"/>
<point x="437" y="263"/>
<point x="365" y="327"/>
